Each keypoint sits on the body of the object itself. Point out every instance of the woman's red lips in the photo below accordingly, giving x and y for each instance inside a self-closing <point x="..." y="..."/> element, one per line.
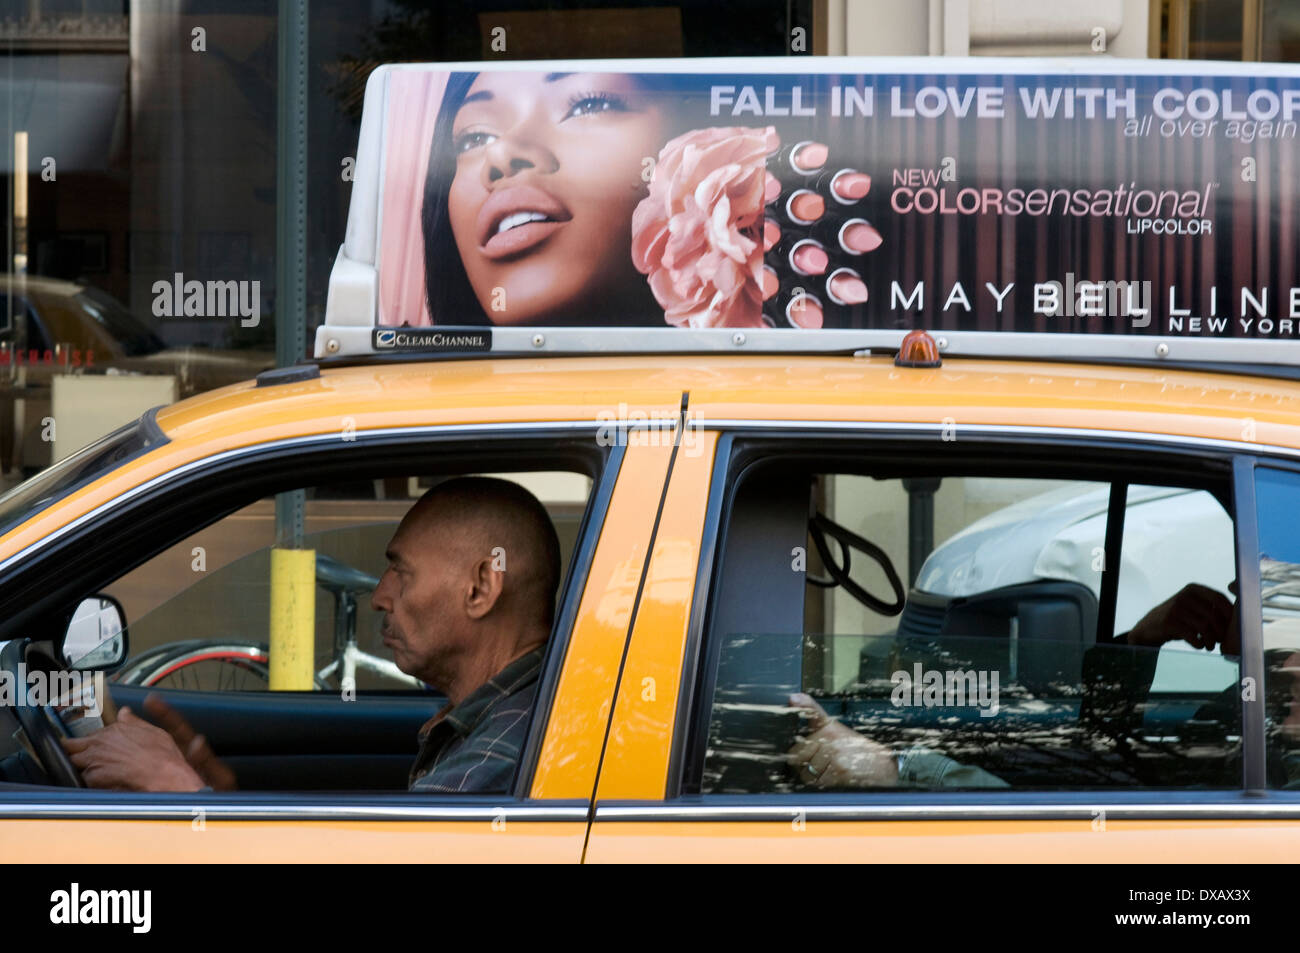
<point x="515" y="202"/>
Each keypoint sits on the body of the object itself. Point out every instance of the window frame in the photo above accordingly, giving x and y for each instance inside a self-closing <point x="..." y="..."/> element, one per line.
<point x="1132" y="453"/>
<point x="1252" y="632"/>
<point x="1176" y="45"/>
<point x="163" y="511"/>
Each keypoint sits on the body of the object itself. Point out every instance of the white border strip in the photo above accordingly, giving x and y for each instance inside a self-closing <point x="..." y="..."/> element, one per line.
<point x="847" y="66"/>
<point x="1252" y="808"/>
<point x="19" y="810"/>
<point x="354" y="341"/>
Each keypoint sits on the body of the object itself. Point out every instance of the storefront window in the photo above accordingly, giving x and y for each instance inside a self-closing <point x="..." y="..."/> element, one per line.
<point x="1214" y="29"/>
<point x="138" y="159"/>
<point x="1250" y="30"/>
<point x="1280" y="32"/>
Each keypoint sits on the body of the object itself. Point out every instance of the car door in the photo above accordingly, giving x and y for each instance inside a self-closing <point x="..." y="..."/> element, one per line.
<point x="1000" y="558"/>
<point x="545" y="817"/>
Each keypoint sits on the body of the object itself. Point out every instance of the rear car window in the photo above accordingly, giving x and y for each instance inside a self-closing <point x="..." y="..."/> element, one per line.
<point x="958" y="631"/>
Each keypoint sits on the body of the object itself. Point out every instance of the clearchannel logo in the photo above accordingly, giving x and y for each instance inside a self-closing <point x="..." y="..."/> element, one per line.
<point x="432" y="339"/>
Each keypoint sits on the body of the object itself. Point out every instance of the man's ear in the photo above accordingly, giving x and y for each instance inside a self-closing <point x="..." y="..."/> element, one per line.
<point x="486" y="586"/>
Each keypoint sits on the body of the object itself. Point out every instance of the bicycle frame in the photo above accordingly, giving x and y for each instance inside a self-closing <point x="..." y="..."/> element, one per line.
<point x="348" y="656"/>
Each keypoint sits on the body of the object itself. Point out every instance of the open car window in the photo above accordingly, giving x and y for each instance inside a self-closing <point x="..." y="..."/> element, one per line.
<point x="199" y="613"/>
<point x="213" y="618"/>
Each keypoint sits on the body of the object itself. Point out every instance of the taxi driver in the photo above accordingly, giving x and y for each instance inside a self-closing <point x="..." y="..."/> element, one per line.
<point x="454" y="618"/>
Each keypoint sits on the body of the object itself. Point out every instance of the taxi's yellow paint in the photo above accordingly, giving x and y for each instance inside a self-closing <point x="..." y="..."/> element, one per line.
<point x="640" y="736"/>
<point x="794" y="841"/>
<point x="204" y="840"/>
<point x="570" y="755"/>
<point x="735" y="387"/>
<point x="987" y="392"/>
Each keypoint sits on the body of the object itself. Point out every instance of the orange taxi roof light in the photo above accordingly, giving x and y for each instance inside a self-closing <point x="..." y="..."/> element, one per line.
<point x="918" y="349"/>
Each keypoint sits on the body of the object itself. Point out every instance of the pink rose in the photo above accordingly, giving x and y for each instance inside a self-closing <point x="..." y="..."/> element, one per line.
<point x="697" y="235"/>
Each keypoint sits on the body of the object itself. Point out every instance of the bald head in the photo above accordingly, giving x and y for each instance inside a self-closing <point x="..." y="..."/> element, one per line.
<point x="485" y="517"/>
<point x="470" y="584"/>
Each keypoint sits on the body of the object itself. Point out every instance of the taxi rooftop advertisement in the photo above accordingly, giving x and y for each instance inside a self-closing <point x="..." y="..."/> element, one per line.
<point x="1073" y="202"/>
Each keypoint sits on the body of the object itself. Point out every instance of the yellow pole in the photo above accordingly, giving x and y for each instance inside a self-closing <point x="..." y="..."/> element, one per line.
<point x="20" y="202"/>
<point x="293" y="619"/>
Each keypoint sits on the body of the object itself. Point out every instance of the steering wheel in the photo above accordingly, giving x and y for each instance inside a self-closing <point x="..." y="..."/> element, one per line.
<point x="41" y="723"/>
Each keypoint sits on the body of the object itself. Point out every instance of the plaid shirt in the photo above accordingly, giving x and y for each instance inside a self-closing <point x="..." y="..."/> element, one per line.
<point x="473" y="747"/>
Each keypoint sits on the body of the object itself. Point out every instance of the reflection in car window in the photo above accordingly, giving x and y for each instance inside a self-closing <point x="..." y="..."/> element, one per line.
<point x="16" y="315"/>
<point x="76" y="470"/>
<point x="991" y="672"/>
<point x="132" y="334"/>
<point x="1278" y="504"/>
<point x="88" y="318"/>
<point x="960" y="711"/>
<point x="1172" y="536"/>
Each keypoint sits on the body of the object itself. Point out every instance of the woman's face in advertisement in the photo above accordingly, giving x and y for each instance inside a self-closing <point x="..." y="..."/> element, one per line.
<point x="548" y="172"/>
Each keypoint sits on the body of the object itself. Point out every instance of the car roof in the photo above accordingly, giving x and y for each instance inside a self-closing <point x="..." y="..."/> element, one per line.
<point x="965" y="391"/>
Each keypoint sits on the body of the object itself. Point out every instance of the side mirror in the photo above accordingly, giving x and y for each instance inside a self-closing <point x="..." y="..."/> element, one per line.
<point x="96" y="636"/>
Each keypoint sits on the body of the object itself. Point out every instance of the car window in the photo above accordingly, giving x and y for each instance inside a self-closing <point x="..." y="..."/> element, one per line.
<point x="77" y="469"/>
<point x="81" y="321"/>
<point x="200" y="613"/>
<point x="1278" y="503"/>
<point x="951" y="632"/>
<point x="16" y="313"/>
<point x="132" y="334"/>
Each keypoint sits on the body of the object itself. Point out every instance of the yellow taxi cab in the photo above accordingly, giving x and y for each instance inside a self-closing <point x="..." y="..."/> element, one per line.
<point x="830" y="594"/>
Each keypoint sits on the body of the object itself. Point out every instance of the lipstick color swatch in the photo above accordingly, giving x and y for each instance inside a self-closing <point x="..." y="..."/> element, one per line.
<point x="813" y="236"/>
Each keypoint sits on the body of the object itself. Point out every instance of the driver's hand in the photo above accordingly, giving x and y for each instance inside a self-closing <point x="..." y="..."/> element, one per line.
<point x="132" y="755"/>
<point x="1200" y="616"/>
<point x="197" y="751"/>
<point x="833" y="755"/>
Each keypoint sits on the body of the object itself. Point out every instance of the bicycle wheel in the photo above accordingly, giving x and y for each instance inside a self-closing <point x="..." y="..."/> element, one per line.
<point x="198" y="665"/>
